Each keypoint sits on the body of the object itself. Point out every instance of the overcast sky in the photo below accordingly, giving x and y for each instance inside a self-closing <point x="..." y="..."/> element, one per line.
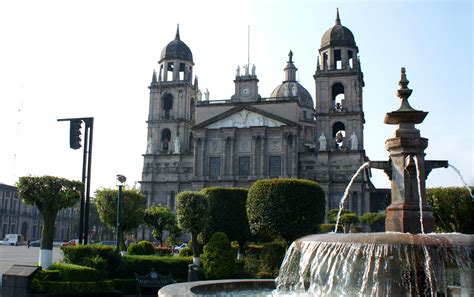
<point x="61" y="59"/>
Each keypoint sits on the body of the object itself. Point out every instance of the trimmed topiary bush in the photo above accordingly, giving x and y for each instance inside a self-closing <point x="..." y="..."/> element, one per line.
<point x="271" y="257"/>
<point x="286" y="207"/>
<point x="218" y="259"/>
<point x="227" y="213"/>
<point x="141" y="248"/>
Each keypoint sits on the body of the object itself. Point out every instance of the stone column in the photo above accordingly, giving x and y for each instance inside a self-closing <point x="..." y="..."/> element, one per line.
<point x="254" y="159"/>
<point x="203" y="158"/>
<point x="285" y="155"/>
<point x="231" y="162"/>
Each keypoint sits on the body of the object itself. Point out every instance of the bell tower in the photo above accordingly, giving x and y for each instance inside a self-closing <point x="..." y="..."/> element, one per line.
<point x="339" y="81"/>
<point x="171" y="114"/>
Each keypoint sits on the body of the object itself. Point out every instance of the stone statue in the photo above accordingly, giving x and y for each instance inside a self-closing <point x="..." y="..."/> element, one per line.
<point x="206" y="94"/>
<point x="354" y="141"/>
<point x="253" y="69"/>
<point x="149" y="146"/>
<point x="199" y="95"/>
<point x="177" y="145"/>
<point x="237" y="74"/>
<point x="246" y="67"/>
<point x="322" y="142"/>
<point x="339" y="138"/>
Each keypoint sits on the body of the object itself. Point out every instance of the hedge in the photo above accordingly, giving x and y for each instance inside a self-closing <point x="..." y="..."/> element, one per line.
<point x="177" y="266"/>
<point x="76" y="273"/>
<point x="287" y="207"/>
<point x="103" y="258"/>
<point x="63" y="288"/>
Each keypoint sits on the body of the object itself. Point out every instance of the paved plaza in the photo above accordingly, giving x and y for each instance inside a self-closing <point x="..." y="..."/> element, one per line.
<point x="10" y="255"/>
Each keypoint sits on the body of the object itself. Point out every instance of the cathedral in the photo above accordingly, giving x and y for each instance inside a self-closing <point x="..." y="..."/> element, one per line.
<point x="194" y="142"/>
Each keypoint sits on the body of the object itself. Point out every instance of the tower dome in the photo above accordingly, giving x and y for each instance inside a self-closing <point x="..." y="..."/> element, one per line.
<point x="338" y="35"/>
<point x="176" y="50"/>
<point x="291" y="88"/>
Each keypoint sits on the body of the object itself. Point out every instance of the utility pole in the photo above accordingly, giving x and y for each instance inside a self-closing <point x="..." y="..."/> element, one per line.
<point x="75" y="143"/>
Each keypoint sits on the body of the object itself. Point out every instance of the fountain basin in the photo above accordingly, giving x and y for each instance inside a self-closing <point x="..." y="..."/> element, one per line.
<point x="218" y="288"/>
<point x="379" y="264"/>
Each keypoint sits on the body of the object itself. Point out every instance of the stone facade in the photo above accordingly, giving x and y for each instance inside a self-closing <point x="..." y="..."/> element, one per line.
<point x="194" y="142"/>
<point x="16" y="217"/>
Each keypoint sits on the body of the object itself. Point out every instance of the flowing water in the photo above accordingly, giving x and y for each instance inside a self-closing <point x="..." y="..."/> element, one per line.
<point x="378" y="264"/>
<point x="346" y="193"/>
<point x="463" y="181"/>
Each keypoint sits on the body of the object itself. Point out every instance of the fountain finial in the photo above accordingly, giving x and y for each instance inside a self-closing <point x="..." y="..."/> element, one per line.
<point x="404" y="92"/>
<point x="405" y="113"/>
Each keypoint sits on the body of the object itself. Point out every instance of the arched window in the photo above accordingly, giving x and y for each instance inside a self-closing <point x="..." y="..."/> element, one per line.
<point x="165" y="138"/>
<point x="167" y="104"/>
<point x="339" y="133"/>
<point x="337" y="96"/>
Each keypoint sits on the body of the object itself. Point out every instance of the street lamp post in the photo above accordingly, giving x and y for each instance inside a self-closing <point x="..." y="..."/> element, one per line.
<point x="121" y="180"/>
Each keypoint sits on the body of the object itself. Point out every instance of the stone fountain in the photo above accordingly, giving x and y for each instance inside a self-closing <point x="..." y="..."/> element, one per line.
<point x="404" y="261"/>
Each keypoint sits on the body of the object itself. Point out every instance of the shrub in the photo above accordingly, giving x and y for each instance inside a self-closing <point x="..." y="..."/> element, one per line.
<point x="141" y="248"/>
<point x="375" y="220"/>
<point x="47" y="275"/>
<point x="177" y="266"/>
<point x="76" y="273"/>
<point x="185" y="252"/>
<point x="271" y="258"/>
<point x="227" y="213"/>
<point x="286" y="207"/>
<point x="218" y="259"/>
<point x="326" y="228"/>
<point x="102" y="258"/>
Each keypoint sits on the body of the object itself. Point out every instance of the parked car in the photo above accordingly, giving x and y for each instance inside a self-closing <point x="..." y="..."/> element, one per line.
<point x="177" y="248"/>
<point x="70" y="242"/>
<point x="35" y="243"/>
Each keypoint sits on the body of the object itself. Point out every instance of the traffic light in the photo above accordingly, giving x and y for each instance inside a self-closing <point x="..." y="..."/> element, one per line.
<point x="75" y="134"/>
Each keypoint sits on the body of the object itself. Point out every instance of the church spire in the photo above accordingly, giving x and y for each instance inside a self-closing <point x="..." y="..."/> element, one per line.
<point x="177" y="33"/>
<point x="290" y="69"/>
<point x="338" y="20"/>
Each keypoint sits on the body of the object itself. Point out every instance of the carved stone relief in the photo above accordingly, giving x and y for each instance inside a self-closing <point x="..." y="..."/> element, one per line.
<point x="245" y="119"/>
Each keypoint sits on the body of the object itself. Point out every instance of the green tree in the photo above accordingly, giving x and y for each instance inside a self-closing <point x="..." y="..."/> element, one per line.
<point x="375" y="220"/>
<point x="453" y="209"/>
<point x="191" y="212"/>
<point x="50" y="194"/>
<point x="227" y="213"/>
<point x="159" y="218"/>
<point x="133" y="209"/>
<point x="286" y="207"/>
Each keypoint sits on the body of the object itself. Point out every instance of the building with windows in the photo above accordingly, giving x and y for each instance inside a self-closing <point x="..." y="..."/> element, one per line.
<point x="194" y="142"/>
<point x="16" y="217"/>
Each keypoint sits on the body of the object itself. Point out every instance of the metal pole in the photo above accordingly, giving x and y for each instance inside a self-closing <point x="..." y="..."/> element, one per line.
<point x="119" y="210"/>
<point x="88" y="143"/>
<point x="83" y="195"/>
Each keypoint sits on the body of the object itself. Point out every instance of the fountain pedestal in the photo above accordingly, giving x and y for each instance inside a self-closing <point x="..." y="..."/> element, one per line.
<point x="407" y="168"/>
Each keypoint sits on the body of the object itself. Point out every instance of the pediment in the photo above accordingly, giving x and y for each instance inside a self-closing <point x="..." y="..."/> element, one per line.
<point x="245" y="119"/>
